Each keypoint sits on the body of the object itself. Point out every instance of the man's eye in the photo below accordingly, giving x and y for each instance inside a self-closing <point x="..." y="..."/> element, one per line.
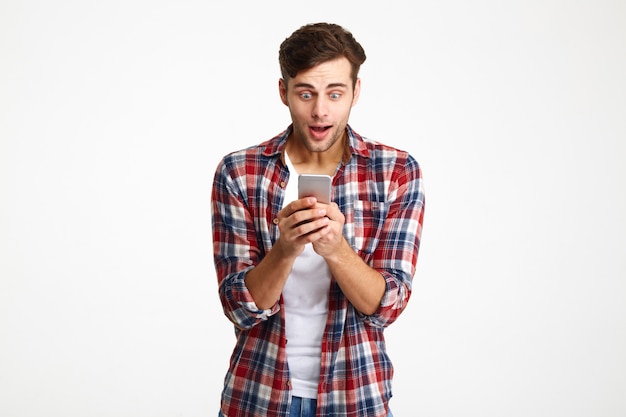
<point x="305" y="96"/>
<point x="335" y="96"/>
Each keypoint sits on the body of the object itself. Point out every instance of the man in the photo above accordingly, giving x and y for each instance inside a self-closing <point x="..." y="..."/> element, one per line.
<point x="310" y="287"/>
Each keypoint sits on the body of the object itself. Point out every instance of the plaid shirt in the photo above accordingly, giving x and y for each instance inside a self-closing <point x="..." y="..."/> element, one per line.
<point x="379" y="191"/>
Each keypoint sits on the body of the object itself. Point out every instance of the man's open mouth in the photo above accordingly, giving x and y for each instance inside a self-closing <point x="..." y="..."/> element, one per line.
<point x="320" y="129"/>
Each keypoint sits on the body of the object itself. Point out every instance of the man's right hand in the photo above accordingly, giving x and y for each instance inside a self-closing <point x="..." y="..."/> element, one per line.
<point x="300" y="222"/>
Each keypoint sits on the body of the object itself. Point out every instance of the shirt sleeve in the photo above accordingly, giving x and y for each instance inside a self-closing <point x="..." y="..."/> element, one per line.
<point x="235" y="247"/>
<point x="396" y="255"/>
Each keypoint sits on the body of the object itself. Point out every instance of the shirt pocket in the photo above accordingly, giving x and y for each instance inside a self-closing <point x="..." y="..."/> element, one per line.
<point x="368" y="222"/>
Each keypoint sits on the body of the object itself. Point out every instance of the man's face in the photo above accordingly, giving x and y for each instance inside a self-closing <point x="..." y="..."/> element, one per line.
<point x="320" y="100"/>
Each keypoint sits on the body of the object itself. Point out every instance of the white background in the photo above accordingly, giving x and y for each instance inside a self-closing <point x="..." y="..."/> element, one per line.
<point x="113" y="116"/>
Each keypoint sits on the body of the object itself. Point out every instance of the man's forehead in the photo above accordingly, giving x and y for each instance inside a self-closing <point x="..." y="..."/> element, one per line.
<point x="330" y="74"/>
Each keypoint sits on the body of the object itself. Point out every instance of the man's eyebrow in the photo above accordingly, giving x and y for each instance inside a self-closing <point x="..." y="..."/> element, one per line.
<point x="332" y="85"/>
<point x="337" y="85"/>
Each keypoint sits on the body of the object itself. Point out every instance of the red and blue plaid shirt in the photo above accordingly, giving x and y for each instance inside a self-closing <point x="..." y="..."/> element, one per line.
<point x="379" y="190"/>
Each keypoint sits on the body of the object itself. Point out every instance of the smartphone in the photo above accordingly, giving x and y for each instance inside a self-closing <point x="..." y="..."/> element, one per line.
<point x="315" y="185"/>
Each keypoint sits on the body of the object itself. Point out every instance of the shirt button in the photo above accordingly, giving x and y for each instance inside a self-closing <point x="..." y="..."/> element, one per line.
<point x="275" y="221"/>
<point x="282" y="184"/>
<point x="288" y="383"/>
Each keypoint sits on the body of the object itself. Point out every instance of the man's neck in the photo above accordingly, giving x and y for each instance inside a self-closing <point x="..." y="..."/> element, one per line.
<point x="305" y="161"/>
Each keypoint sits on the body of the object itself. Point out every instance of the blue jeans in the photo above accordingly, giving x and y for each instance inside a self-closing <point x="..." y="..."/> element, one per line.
<point x="303" y="407"/>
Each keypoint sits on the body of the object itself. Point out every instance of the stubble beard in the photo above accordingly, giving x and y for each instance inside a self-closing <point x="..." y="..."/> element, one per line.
<point x="315" y="146"/>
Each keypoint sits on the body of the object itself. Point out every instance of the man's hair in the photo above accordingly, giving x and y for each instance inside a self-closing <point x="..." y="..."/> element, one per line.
<point x="317" y="43"/>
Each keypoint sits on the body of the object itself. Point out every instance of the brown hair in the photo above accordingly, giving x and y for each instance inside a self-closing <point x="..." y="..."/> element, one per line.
<point x="316" y="43"/>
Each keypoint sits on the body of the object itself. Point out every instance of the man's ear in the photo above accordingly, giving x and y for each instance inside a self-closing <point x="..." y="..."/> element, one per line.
<point x="357" y="91"/>
<point x="282" y="90"/>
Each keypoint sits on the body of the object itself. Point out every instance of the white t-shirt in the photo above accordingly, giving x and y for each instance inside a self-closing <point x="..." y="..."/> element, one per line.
<point x="305" y="296"/>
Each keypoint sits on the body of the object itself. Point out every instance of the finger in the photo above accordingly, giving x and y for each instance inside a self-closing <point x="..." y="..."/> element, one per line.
<point x="310" y="225"/>
<point x="297" y="205"/>
<point x="333" y="212"/>
<point x="313" y="233"/>
<point x="307" y="215"/>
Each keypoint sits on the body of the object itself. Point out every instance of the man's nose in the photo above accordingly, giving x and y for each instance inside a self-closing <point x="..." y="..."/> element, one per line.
<point x="320" y="107"/>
